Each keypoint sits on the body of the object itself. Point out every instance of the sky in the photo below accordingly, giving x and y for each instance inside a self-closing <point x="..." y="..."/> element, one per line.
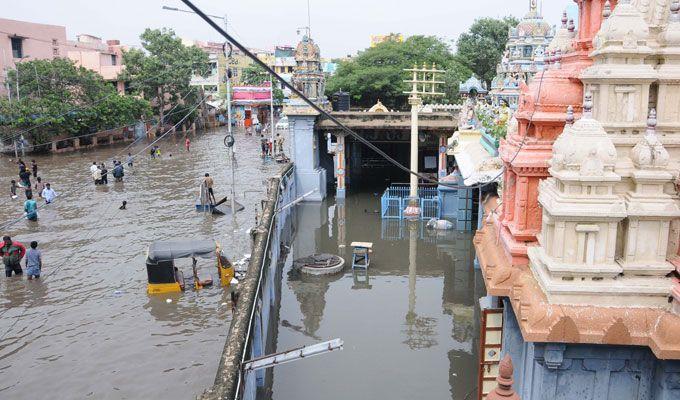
<point x="339" y="27"/>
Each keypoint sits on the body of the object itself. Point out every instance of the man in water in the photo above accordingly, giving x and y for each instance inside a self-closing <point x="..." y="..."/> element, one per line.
<point x="39" y="186"/>
<point x="263" y="145"/>
<point x="208" y="182"/>
<point x="12" y="253"/>
<point x="34" y="167"/>
<point x="13" y="189"/>
<point x="48" y="194"/>
<point x="93" y="167"/>
<point x="33" y="261"/>
<point x="187" y="144"/>
<point x="31" y="208"/>
<point x="130" y="160"/>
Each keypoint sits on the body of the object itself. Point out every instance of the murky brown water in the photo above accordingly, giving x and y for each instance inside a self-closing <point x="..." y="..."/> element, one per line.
<point x="410" y="325"/>
<point x="89" y="330"/>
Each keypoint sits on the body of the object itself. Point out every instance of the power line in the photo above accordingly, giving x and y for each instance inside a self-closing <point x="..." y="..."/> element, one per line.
<point x="64" y="194"/>
<point x="323" y="112"/>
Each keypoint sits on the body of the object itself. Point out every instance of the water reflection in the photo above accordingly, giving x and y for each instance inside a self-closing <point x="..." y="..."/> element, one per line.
<point x="94" y="312"/>
<point x="415" y="306"/>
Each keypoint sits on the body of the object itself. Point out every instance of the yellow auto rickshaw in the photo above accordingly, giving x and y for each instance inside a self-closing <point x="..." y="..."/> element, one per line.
<point x="165" y="277"/>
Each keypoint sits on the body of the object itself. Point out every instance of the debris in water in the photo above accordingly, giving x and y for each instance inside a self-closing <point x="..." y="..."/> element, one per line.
<point x="168" y="300"/>
<point x="320" y="264"/>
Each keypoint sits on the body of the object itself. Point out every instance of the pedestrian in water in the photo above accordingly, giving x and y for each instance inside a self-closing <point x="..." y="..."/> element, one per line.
<point x="123" y="206"/>
<point x="22" y="166"/>
<point x="158" y="152"/>
<point x="118" y="171"/>
<point x="13" y="189"/>
<point x="25" y="178"/>
<point x="12" y="253"/>
<point x="208" y="182"/>
<point x="130" y="160"/>
<point x="39" y="186"/>
<point x="48" y="194"/>
<point x="263" y="145"/>
<point x="93" y="167"/>
<point x="97" y="176"/>
<point x="34" y="167"/>
<point x="279" y="143"/>
<point x="152" y="152"/>
<point x="105" y="175"/>
<point x="30" y="208"/>
<point x="33" y="261"/>
<point x="187" y="144"/>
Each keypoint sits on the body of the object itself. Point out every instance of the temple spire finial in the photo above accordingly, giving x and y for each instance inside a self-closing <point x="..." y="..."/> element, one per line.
<point x="570" y="116"/>
<point x="564" y="19"/>
<point x="607" y="11"/>
<point x="588" y="105"/>
<point x="533" y="6"/>
<point x="504" y="389"/>
<point x="675" y="11"/>
<point x="651" y="122"/>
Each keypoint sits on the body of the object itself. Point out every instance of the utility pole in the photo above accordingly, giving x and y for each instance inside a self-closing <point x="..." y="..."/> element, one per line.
<point x="230" y="134"/>
<point x="271" y="110"/>
<point x="423" y="83"/>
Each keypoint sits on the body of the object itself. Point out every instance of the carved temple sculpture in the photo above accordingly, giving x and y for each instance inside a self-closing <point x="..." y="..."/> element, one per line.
<point x="541" y="118"/>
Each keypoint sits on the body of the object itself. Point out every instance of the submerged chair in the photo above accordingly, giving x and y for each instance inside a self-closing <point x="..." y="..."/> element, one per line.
<point x="361" y="254"/>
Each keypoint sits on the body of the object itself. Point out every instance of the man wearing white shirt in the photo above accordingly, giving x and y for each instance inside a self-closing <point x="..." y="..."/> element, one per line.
<point x="48" y="194"/>
<point x="93" y="167"/>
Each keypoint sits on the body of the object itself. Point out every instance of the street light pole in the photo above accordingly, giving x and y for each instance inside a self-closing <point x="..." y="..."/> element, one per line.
<point x="271" y="111"/>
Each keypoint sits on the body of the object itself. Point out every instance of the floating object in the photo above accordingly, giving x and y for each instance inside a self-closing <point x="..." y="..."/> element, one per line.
<point x="165" y="277"/>
<point x="361" y="254"/>
<point x="439" y="224"/>
<point x="168" y="300"/>
<point x="14" y="196"/>
<point x="320" y="264"/>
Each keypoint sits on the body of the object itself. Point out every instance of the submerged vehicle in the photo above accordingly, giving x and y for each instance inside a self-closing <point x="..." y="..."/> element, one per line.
<point x="165" y="277"/>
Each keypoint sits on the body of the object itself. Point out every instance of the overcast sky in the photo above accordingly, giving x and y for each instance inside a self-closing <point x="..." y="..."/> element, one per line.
<point x="340" y="27"/>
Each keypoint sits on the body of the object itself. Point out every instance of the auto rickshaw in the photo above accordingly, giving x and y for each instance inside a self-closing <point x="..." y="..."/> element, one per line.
<point x="165" y="277"/>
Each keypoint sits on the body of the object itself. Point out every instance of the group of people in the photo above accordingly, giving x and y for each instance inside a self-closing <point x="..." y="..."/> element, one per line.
<point x="44" y="190"/>
<point x="100" y="175"/>
<point x="12" y="252"/>
<point x="271" y="148"/>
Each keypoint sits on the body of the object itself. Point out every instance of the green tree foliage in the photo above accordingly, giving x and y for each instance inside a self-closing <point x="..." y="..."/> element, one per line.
<point x="162" y="71"/>
<point x="255" y="75"/>
<point x="377" y="73"/>
<point x="57" y="98"/>
<point x="481" y="48"/>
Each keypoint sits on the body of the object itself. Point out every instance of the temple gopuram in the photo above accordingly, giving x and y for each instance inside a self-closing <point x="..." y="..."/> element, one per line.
<point x="580" y="253"/>
<point x="524" y="56"/>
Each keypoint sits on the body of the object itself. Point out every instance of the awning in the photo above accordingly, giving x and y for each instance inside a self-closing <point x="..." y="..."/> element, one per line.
<point x="475" y="164"/>
<point x="173" y="249"/>
<point x="215" y="103"/>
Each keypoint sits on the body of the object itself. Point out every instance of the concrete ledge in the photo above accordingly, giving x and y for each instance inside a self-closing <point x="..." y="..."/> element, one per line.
<point x="229" y="370"/>
<point x="542" y="321"/>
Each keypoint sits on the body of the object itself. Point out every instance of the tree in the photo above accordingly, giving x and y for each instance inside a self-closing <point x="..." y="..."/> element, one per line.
<point x="55" y="98"/>
<point x="162" y="71"/>
<point x="482" y="47"/>
<point x="255" y="75"/>
<point x="377" y="73"/>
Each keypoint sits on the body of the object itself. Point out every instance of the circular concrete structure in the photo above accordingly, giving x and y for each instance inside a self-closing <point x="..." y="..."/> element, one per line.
<point x="320" y="264"/>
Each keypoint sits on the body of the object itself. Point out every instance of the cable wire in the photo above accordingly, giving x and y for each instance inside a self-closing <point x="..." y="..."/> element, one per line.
<point x="323" y="112"/>
<point x="64" y="194"/>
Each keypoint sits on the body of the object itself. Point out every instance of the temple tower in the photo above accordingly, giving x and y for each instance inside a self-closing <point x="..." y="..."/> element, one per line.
<point x="541" y="118"/>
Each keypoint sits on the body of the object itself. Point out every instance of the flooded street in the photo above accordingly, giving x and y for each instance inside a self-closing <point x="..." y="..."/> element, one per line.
<point x="88" y="329"/>
<point x="410" y="324"/>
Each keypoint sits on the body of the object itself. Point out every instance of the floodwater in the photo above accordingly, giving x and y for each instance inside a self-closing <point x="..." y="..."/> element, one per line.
<point x="88" y="329"/>
<point x="410" y="324"/>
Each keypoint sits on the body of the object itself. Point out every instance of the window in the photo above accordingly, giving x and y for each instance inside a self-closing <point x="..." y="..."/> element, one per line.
<point x="55" y="43"/>
<point x="17" y="47"/>
<point x="114" y="59"/>
<point x="527" y="51"/>
<point x="55" y="51"/>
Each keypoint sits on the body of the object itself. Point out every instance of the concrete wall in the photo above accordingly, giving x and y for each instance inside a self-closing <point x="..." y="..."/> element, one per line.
<point x="558" y="371"/>
<point x="308" y="174"/>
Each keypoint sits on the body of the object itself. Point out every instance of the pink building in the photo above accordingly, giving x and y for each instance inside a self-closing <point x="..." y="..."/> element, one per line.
<point x="21" y="41"/>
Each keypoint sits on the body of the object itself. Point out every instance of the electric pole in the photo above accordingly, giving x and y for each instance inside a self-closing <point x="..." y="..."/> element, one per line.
<point x="423" y="83"/>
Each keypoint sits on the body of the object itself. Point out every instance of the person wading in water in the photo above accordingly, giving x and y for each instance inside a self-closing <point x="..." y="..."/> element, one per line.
<point x="12" y="253"/>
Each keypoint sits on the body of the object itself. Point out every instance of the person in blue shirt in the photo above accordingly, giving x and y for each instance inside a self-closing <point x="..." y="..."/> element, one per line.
<point x="33" y="261"/>
<point x="31" y="208"/>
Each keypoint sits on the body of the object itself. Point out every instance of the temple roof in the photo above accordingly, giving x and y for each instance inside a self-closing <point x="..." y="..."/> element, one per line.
<point x="472" y="84"/>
